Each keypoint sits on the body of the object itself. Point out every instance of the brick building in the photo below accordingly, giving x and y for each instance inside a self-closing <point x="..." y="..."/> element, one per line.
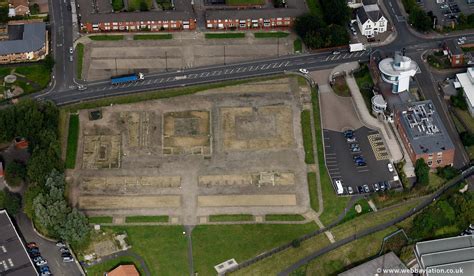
<point x="455" y="53"/>
<point x="255" y="18"/>
<point x="27" y="42"/>
<point x="18" y="8"/>
<point x="97" y="19"/>
<point x="424" y="135"/>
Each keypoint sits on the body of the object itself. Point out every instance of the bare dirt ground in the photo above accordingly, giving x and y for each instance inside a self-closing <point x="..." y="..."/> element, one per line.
<point x="103" y="59"/>
<point x="222" y="151"/>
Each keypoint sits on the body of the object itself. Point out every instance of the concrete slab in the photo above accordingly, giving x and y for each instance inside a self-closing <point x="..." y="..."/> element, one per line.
<point x="247" y="200"/>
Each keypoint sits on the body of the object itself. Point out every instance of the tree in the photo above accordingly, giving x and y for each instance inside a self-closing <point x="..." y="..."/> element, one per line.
<point x="336" y="12"/>
<point x="458" y="100"/>
<point x="422" y="171"/>
<point x="34" y="9"/>
<point x="76" y="229"/>
<point x="447" y="172"/>
<point x="467" y="138"/>
<point x="10" y="201"/>
<point x="143" y="6"/>
<point x="15" y="173"/>
<point x="28" y="197"/>
<point x="420" y="20"/>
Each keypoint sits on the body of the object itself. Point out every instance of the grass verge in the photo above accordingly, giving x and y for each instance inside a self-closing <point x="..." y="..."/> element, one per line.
<point x="164" y="248"/>
<point x="270" y="34"/>
<point x="313" y="191"/>
<point x="224" y="35"/>
<point x="365" y="83"/>
<point x="80" y="59"/>
<point x="224" y="218"/>
<point x="100" y="220"/>
<point x="352" y="213"/>
<point x="72" y="138"/>
<point x="307" y="137"/>
<point x="152" y="37"/>
<point x="104" y="267"/>
<point x="134" y="219"/>
<point x="284" y="217"/>
<point x="105" y="37"/>
<point x="333" y="204"/>
<point x="213" y="244"/>
<point x="297" y="45"/>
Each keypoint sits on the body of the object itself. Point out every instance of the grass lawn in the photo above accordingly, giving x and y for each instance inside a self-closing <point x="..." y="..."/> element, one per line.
<point x="239" y="217"/>
<point x="100" y="220"/>
<point x="340" y="87"/>
<point x="342" y="258"/>
<point x="133" y="219"/>
<point x="313" y="191"/>
<point x="307" y="137"/>
<point x="352" y="212"/>
<point x="80" y="59"/>
<point x="465" y="118"/>
<point x="164" y="248"/>
<point x="365" y="83"/>
<point x="106" y="37"/>
<point x="244" y="2"/>
<point x="224" y="35"/>
<point x="213" y="244"/>
<point x="270" y="34"/>
<point x="152" y="37"/>
<point x="72" y="137"/>
<point x="117" y="5"/>
<point x="139" y="5"/>
<point x="297" y="45"/>
<point x="284" y="217"/>
<point x="37" y="73"/>
<point x="159" y="94"/>
<point x="100" y="269"/>
<point x="333" y="204"/>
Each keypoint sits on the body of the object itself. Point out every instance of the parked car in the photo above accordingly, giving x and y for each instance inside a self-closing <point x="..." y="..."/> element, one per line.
<point x="71" y="50"/>
<point x="361" y="164"/>
<point x="348" y="133"/>
<point x="80" y="87"/>
<point x="31" y="245"/>
<point x="66" y="254"/>
<point x="63" y="249"/>
<point x="60" y="244"/>
<point x="33" y="250"/>
<point x="71" y="58"/>
<point x="349" y="190"/>
<point x="382" y="186"/>
<point x="41" y="263"/>
<point x="34" y="254"/>
<point x="366" y="188"/>
<point x="44" y="269"/>
<point x="303" y="71"/>
<point x="351" y="140"/>
<point x="471" y="226"/>
<point x="376" y="187"/>
<point x="68" y="259"/>
<point x="37" y="259"/>
<point x="354" y="146"/>
<point x="360" y="189"/>
<point x="390" y="167"/>
<point x="336" y="52"/>
<point x="359" y="159"/>
<point x="355" y="149"/>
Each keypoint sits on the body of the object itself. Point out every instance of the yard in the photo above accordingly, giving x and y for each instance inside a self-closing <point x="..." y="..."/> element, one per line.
<point x="224" y="35"/>
<point x="72" y="137"/>
<point x="31" y="78"/>
<point x="213" y="244"/>
<point x="164" y="248"/>
<point x="152" y="37"/>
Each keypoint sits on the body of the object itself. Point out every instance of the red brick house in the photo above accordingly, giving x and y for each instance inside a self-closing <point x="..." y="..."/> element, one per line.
<point x="455" y="53"/>
<point x="424" y="135"/>
<point x="21" y="7"/>
<point x="250" y="19"/>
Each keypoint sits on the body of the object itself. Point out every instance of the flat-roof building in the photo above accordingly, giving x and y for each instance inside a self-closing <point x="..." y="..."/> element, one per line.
<point x="389" y="262"/>
<point x="14" y="260"/>
<point x="424" y="135"/>
<point x="466" y="80"/>
<point x="27" y="42"/>
<point x="438" y="256"/>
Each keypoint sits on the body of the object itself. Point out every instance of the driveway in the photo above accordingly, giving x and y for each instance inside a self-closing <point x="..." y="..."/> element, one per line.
<point x="48" y="249"/>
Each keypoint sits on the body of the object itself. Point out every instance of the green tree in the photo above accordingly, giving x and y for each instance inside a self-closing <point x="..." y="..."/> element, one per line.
<point x="458" y="100"/>
<point x="143" y="6"/>
<point x="336" y="12"/>
<point x="76" y="229"/>
<point x="420" y="20"/>
<point x="15" y="173"/>
<point x="447" y="172"/>
<point x="34" y="9"/>
<point x="10" y="201"/>
<point x="467" y="138"/>
<point x="422" y="171"/>
<point x="30" y="194"/>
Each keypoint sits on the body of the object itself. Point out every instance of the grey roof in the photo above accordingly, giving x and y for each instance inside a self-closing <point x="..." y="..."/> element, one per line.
<point x="369" y="2"/>
<point x="387" y="261"/>
<point x="424" y="129"/>
<point x="455" y="252"/>
<point x="16" y="261"/>
<point x="33" y="39"/>
<point x="372" y="15"/>
<point x="183" y="11"/>
<point x="295" y="8"/>
<point x="453" y="47"/>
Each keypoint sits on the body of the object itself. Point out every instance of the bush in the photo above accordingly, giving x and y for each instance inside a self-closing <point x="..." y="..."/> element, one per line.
<point x="422" y="171"/>
<point x="10" y="201"/>
<point x="467" y="138"/>
<point x="458" y="100"/>
<point x="295" y="243"/>
<point x="447" y="172"/>
<point x="15" y="173"/>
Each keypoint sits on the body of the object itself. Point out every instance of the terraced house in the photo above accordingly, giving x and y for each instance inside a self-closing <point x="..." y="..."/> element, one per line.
<point x="99" y="16"/>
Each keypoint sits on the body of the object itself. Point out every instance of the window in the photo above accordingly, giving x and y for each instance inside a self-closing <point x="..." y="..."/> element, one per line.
<point x="438" y="161"/>
<point x="430" y="163"/>
<point x="430" y="156"/>
<point x="440" y="153"/>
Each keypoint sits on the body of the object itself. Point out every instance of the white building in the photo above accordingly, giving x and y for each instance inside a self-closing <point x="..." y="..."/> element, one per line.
<point x="466" y="80"/>
<point x="370" y="19"/>
<point x="398" y="71"/>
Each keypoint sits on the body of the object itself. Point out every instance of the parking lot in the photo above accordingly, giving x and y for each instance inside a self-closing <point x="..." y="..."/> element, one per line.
<point x="448" y="11"/>
<point x="341" y="164"/>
